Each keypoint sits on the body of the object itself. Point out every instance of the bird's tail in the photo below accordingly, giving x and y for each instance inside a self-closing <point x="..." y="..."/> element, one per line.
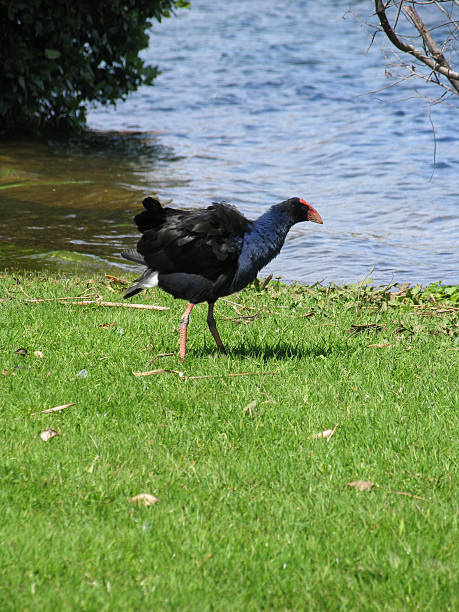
<point x="132" y="291"/>
<point x="151" y="217"/>
<point x="154" y="215"/>
<point x="133" y="255"/>
<point x="148" y="279"/>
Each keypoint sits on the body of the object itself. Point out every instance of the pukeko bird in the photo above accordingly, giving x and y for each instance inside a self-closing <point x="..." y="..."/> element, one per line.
<point x="201" y="255"/>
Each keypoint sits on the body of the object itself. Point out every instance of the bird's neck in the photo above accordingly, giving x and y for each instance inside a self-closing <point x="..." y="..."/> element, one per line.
<point x="272" y="228"/>
<point x="261" y="244"/>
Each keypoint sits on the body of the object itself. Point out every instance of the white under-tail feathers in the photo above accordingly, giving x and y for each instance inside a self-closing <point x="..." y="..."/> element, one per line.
<point x="148" y="279"/>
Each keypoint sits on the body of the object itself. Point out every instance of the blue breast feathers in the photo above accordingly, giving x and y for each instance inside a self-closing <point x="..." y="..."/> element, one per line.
<point x="261" y="244"/>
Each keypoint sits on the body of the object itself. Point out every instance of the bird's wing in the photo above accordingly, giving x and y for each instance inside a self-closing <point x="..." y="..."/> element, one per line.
<point x="205" y="242"/>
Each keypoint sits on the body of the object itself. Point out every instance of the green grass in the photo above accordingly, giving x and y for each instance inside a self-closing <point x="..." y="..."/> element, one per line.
<point x="254" y="512"/>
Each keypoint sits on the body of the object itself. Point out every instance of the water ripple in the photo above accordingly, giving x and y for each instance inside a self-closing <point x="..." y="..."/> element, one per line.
<point x="257" y="103"/>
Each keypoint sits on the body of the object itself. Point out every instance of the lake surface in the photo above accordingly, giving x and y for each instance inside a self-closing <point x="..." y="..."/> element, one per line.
<point x="257" y="102"/>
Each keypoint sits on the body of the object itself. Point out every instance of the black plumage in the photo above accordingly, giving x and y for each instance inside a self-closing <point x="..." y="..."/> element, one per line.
<point x="201" y="255"/>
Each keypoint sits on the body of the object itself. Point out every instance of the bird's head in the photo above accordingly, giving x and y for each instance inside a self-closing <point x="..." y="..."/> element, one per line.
<point x="300" y="210"/>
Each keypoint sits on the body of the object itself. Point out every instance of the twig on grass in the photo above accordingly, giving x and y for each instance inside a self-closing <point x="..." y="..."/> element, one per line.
<point x="332" y="432"/>
<point x="433" y="310"/>
<point x="183" y="377"/>
<point x="410" y="495"/>
<point x="160" y="355"/>
<point x="233" y="303"/>
<point x="236" y="304"/>
<point x="160" y="371"/>
<point x="57" y="299"/>
<point x="21" y="289"/>
<point x="8" y="292"/>
<point x="357" y="329"/>
<point x="55" y="409"/>
<point x="234" y="374"/>
<point x="242" y="318"/>
<point x="120" y="304"/>
<point x="265" y="281"/>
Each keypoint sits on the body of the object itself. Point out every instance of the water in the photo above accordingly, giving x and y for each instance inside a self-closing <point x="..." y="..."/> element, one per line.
<point x="257" y="102"/>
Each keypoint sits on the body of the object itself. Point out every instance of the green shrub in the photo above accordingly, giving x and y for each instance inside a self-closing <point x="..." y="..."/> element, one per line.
<point x="58" y="56"/>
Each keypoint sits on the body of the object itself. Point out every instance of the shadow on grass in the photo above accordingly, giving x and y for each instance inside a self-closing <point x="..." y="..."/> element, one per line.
<point x="279" y="351"/>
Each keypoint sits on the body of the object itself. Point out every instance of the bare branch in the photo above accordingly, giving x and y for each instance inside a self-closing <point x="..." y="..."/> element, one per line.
<point x="398" y="14"/>
<point x="435" y="143"/>
<point x="450" y="17"/>
<point x="367" y="93"/>
<point x="437" y="62"/>
<point x="434" y="49"/>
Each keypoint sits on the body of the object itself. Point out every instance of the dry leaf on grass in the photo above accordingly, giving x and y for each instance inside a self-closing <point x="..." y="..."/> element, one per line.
<point x="115" y="279"/>
<point x="38" y="354"/>
<point x="55" y="409"/>
<point x="250" y="408"/>
<point x="381" y="345"/>
<point x="362" y="485"/>
<point x="106" y="325"/>
<point x="144" y="499"/>
<point x="48" y="434"/>
<point x="21" y="351"/>
<point x="327" y="433"/>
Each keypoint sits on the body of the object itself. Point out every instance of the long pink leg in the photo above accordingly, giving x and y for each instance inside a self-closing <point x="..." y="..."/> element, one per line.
<point x="213" y="328"/>
<point x="184" y="319"/>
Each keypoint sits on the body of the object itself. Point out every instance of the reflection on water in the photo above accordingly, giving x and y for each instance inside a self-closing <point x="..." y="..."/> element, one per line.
<point x="255" y="104"/>
<point x="75" y="196"/>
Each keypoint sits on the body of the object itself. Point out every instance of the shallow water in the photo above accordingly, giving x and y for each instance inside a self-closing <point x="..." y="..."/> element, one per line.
<point x="256" y="102"/>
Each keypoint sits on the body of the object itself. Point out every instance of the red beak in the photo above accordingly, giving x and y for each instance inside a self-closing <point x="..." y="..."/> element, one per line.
<point x="313" y="215"/>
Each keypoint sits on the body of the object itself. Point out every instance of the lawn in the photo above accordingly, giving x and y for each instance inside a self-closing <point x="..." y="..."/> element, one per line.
<point x="255" y="510"/>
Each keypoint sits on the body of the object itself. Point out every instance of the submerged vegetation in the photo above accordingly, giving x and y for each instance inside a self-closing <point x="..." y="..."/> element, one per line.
<point x="315" y="466"/>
